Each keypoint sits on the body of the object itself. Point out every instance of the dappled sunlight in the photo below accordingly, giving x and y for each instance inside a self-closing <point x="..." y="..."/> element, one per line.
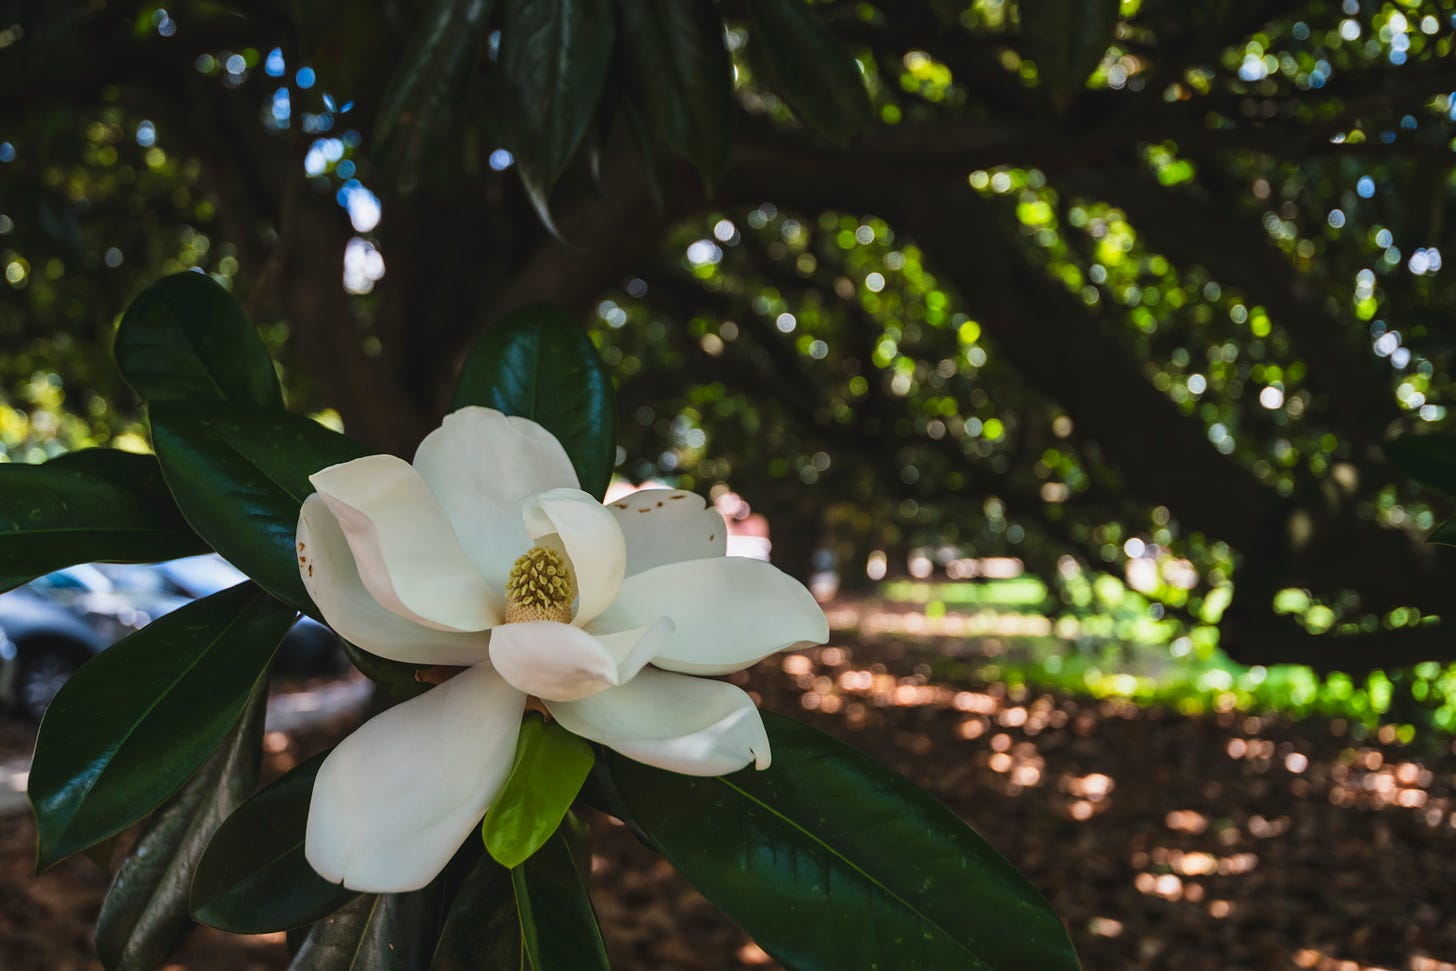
<point x="1256" y="833"/>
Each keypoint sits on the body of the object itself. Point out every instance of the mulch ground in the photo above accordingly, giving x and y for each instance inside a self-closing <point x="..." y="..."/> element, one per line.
<point x="1225" y="842"/>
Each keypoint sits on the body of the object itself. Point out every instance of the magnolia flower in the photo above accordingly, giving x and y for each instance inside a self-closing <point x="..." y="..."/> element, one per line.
<point x="485" y="555"/>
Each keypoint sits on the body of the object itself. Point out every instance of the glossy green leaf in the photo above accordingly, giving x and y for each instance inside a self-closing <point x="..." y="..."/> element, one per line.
<point x="240" y="476"/>
<point x="186" y="339"/>
<point x="253" y="878"/>
<point x="482" y="931"/>
<point x="554" y="56"/>
<point x="1067" y="39"/>
<point x="417" y="124"/>
<point x="655" y="158"/>
<point x="679" y="75"/>
<point x="828" y="839"/>
<point x="98" y="504"/>
<point x="1445" y="534"/>
<point x="145" y="915"/>
<point x="538" y="912"/>
<point x="395" y="677"/>
<point x="1429" y="459"/>
<point x="137" y="720"/>
<point x="539" y="363"/>
<point x="550" y="766"/>
<point x="807" y="65"/>
<point x="375" y="932"/>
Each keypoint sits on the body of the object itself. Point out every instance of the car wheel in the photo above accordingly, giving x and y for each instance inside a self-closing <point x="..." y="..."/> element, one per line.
<point x="44" y="668"/>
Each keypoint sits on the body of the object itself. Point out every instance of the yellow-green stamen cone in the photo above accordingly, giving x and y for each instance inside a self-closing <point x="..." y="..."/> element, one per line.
<point x="539" y="588"/>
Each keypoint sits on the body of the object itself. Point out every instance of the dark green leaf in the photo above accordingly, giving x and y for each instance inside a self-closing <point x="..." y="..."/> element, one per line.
<point x="554" y="56"/>
<point x="130" y="727"/>
<point x="376" y="932"/>
<point x="537" y="912"/>
<point x="99" y="504"/>
<point x="240" y="476"/>
<point x="145" y="911"/>
<point x="418" y="117"/>
<point x="483" y="929"/>
<point x="828" y="839"/>
<point x="538" y="363"/>
<point x="1067" y="39"/>
<point x="550" y="766"/>
<point x="680" y="76"/>
<point x="186" y="339"/>
<point x="1445" y="534"/>
<point x="657" y="162"/>
<point x="396" y="677"/>
<point x="1429" y="459"/>
<point x="253" y="878"/>
<point x="806" y="64"/>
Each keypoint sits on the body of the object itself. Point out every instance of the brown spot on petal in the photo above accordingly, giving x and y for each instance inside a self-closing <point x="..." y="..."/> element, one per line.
<point x="675" y="495"/>
<point x="659" y="504"/>
<point x="646" y="509"/>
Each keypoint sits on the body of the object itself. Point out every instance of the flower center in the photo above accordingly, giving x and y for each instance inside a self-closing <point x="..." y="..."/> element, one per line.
<point x="539" y="588"/>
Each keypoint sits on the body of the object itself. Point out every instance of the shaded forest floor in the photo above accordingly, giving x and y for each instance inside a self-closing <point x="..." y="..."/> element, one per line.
<point x="1228" y="842"/>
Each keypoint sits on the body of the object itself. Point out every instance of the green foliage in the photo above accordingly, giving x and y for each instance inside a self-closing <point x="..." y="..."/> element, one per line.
<point x="423" y="103"/>
<point x="97" y="504"/>
<point x="186" y="339"/>
<point x="826" y="839"/>
<point x="538" y="364"/>
<point x="806" y="63"/>
<point x="534" y="915"/>
<point x="1104" y="644"/>
<point x="1429" y="459"/>
<point x="145" y="912"/>
<point x="128" y="729"/>
<point x="551" y="765"/>
<point x="375" y="932"/>
<point x="679" y="78"/>
<point x="554" y="57"/>
<point x="253" y="878"/>
<point x="240" y="476"/>
<point x="395" y="677"/>
<point x="1067" y="39"/>
<point x="1099" y="292"/>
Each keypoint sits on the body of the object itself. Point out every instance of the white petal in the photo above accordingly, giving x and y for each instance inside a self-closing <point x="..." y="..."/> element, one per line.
<point x="332" y="580"/>
<point x="559" y="662"/>
<point x="634" y="648"/>
<point x="673" y="721"/>
<point x="668" y="526"/>
<point x="394" y="801"/>
<point x="552" y="660"/>
<point x="408" y="556"/>
<point x="592" y="540"/>
<point x="728" y="612"/>
<point x="480" y="464"/>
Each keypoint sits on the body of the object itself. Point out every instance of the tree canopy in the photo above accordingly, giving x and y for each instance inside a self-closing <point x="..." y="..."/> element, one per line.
<point x="1146" y="287"/>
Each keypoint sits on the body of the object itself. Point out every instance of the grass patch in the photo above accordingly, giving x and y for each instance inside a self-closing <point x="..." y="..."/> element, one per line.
<point x="1115" y="647"/>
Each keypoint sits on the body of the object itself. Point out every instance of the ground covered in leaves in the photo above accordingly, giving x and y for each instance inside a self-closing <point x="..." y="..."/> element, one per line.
<point x="1225" y="842"/>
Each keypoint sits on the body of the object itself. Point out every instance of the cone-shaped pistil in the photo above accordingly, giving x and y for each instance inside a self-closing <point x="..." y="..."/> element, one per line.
<point x="539" y="588"/>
